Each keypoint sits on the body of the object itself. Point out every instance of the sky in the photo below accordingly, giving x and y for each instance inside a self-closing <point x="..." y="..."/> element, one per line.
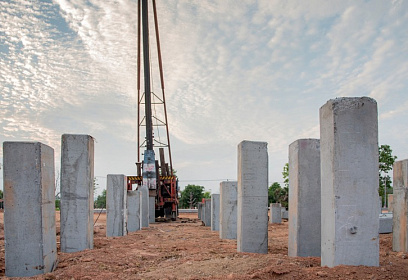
<point x="233" y="71"/>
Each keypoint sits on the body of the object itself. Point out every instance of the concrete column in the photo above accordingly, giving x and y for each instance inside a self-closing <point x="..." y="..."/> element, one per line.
<point x="199" y="207"/>
<point x="203" y="211"/>
<point x="152" y="209"/>
<point x="144" y="207"/>
<point x="207" y="212"/>
<point x="77" y="194"/>
<point x="252" y="215"/>
<point x="133" y="211"/>
<point x="386" y="221"/>
<point x="400" y="206"/>
<point x="228" y="210"/>
<point x="116" y="198"/>
<point x="304" y="198"/>
<point x="215" y="212"/>
<point x="29" y="209"/>
<point x="275" y="215"/>
<point x="285" y="214"/>
<point x="390" y="203"/>
<point x="349" y="182"/>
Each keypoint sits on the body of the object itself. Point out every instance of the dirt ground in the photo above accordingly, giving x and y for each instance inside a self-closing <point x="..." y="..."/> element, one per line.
<point x="185" y="249"/>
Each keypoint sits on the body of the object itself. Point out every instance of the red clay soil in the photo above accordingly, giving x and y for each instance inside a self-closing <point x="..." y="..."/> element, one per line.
<point x="185" y="249"/>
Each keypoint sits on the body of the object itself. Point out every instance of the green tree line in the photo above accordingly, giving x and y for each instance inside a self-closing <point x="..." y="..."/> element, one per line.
<point x="191" y="195"/>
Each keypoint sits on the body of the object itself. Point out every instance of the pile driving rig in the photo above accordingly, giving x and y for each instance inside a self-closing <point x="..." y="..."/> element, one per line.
<point x="157" y="176"/>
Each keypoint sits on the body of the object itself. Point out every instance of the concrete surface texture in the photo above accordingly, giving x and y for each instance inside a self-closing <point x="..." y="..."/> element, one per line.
<point x="400" y="206"/>
<point x="77" y="193"/>
<point x="349" y="182"/>
<point x="133" y="211"/>
<point x="144" y="206"/>
<point x="116" y="198"/>
<point x="304" y="198"/>
<point x="199" y="207"/>
<point x="390" y="203"/>
<point x="275" y="215"/>
<point x="252" y="198"/>
<point x="207" y="212"/>
<point x="285" y="213"/>
<point x="215" y="212"/>
<point x="202" y="211"/>
<point x="385" y="223"/>
<point x="152" y="209"/>
<point x="29" y="209"/>
<point x="228" y="210"/>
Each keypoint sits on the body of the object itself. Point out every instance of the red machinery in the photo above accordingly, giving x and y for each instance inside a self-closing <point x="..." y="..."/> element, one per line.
<point x="157" y="176"/>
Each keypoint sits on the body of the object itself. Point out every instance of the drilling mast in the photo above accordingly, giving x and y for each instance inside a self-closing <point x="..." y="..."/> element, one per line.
<point x="157" y="178"/>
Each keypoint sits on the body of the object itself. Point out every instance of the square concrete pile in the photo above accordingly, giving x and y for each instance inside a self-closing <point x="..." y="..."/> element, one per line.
<point x="275" y="215"/>
<point x="228" y="210"/>
<point x="252" y="214"/>
<point x="304" y="198"/>
<point x="152" y="209"/>
<point x="29" y="209"/>
<point x="77" y="193"/>
<point x="390" y="203"/>
<point x="199" y="209"/>
<point x="215" y="212"/>
<point x="144" y="206"/>
<point x="202" y="211"/>
<point x="207" y="212"/>
<point x="285" y="213"/>
<point x="133" y="210"/>
<point x="349" y="182"/>
<point x="116" y="209"/>
<point x="400" y="206"/>
<point x="386" y="220"/>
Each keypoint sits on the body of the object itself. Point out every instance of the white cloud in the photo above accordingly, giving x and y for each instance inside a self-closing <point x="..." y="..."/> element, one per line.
<point x="256" y="70"/>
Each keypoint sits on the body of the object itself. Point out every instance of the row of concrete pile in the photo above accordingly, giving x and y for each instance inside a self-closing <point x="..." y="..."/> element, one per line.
<point x="29" y="192"/>
<point x="333" y="192"/>
<point x="333" y="196"/>
<point x="127" y="210"/>
<point x="29" y="203"/>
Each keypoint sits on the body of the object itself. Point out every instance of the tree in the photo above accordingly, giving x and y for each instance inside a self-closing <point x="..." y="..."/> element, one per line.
<point x="272" y="192"/>
<point x="284" y="193"/>
<point x="191" y="192"/>
<point x="191" y="200"/>
<point x="386" y="161"/>
<point x="100" y="201"/>
<point x="207" y="195"/>
<point x="95" y="184"/>
<point x="57" y="201"/>
<point x="57" y="204"/>
<point x="277" y="194"/>
<point x="285" y="174"/>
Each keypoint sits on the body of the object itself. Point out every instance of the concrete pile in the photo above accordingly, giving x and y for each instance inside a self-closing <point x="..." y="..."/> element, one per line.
<point x="304" y="198"/>
<point x="333" y="197"/>
<point x="77" y="192"/>
<point x="29" y="181"/>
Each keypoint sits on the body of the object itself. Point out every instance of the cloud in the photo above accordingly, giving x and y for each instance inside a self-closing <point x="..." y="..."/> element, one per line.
<point x="234" y="70"/>
<point x="399" y="110"/>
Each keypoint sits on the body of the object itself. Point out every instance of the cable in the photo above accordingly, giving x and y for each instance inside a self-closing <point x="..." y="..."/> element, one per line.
<point x="98" y="216"/>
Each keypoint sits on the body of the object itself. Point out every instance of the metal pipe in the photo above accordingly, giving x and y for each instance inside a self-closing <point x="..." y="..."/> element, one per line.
<point x="138" y="79"/>
<point x="146" y="65"/>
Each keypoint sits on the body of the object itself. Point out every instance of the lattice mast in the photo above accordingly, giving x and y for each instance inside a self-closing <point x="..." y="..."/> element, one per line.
<point x="158" y="178"/>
